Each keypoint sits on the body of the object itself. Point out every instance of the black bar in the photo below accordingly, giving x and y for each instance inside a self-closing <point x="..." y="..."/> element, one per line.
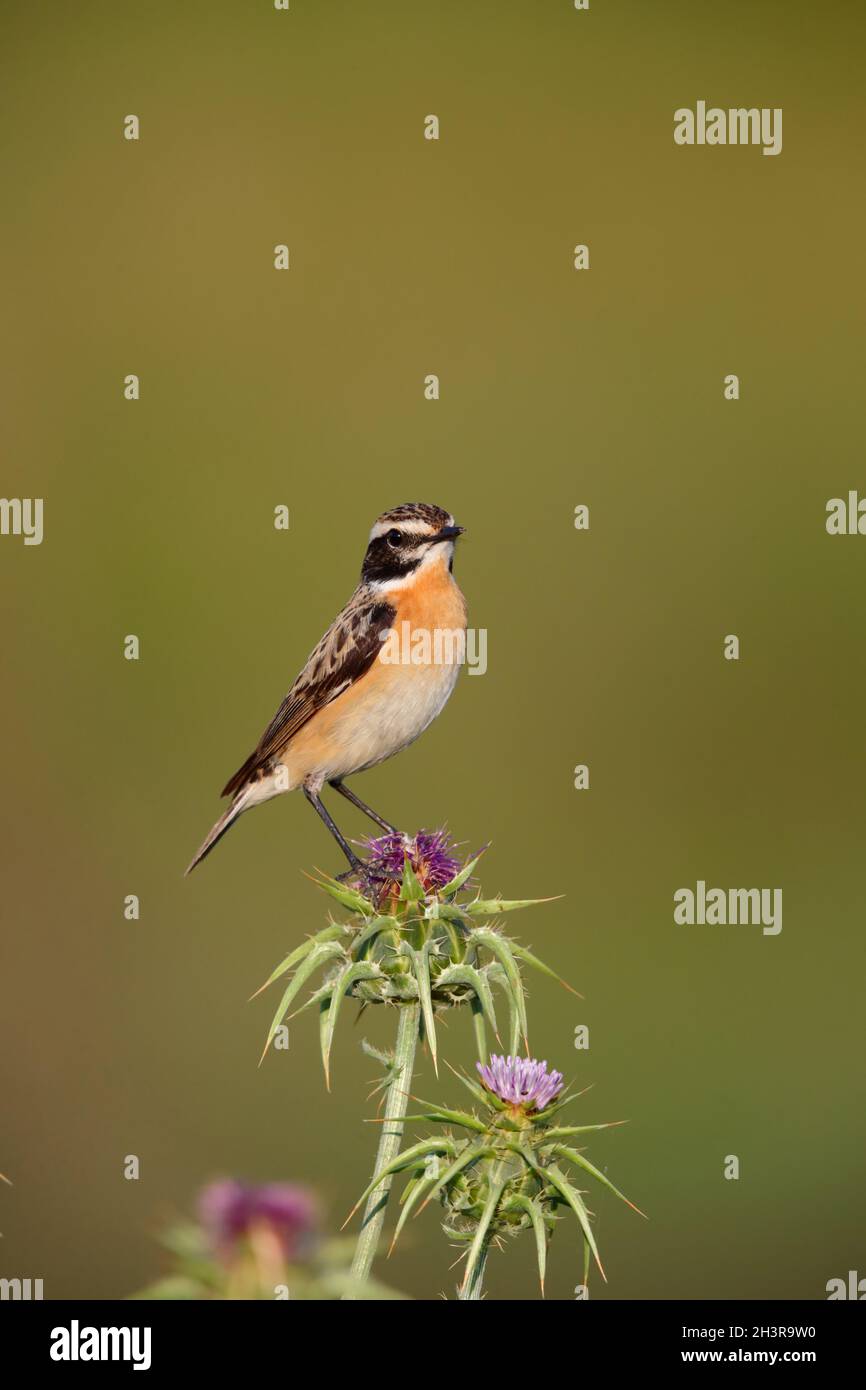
<point x="393" y="1340"/>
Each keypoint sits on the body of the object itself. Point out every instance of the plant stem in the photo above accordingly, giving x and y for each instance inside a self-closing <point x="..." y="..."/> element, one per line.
<point x="397" y="1099"/>
<point x="476" y="1283"/>
<point x="476" y="1258"/>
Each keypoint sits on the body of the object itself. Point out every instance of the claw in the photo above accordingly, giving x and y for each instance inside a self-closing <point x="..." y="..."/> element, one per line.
<point x="357" y="871"/>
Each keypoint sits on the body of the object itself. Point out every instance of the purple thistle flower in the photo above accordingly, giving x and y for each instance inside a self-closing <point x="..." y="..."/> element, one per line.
<point x="521" y="1081"/>
<point x="430" y="854"/>
<point x="230" y="1210"/>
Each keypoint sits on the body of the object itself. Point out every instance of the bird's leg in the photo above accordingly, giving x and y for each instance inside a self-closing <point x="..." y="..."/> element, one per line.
<point x="356" y="865"/>
<point x="362" y="806"/>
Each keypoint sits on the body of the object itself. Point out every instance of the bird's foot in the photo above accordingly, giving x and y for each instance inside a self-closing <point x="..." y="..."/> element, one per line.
<point x="356" y="873"/>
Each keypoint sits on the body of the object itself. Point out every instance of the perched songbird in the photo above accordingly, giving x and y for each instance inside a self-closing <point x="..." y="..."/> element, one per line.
<point x="363" y="695"/>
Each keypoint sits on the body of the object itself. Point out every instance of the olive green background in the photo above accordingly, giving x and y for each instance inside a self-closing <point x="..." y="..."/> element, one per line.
<point x="306" y="388"/>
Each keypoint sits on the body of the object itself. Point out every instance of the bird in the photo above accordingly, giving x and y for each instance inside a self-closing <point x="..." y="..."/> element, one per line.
<point x="362" y="696"/>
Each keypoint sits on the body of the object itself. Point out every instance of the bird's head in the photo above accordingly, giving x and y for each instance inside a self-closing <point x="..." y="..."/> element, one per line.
<point x="407" y="538"/>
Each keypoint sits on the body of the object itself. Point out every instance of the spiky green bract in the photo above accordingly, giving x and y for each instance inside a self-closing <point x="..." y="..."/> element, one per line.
<point x="411" y="942"/>
<point x="507" y="1172"/>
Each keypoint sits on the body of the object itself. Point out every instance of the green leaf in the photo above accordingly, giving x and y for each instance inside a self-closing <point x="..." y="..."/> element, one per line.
<point x="470" y="1155"/>
<point x="527" y="956"/>
<point x="463" y="974"/>
<point x="437" y="1115"/>
<point x="410" y="889"/>
<point x="479" y="1029"/>
<point x="455" y="1236"/>
<point x="497" y="976"/>
<point x="501" y="949"/>
<point x="550" y="1110"/>
<point x="372" y="929"/>
<point x="533" y="1211"/>
<point x="451" y="887"/>
<point x="323" y="992"/>
<point x="412" y="1183"/>
<point x="406" y="1159"/>
<point x="564" y="1131"/>
<point x="410" y="1199"/>
<point x="421" y="961"/>
<point x="331" y="933"/>
<point x="349" y="897"/>
<point x="318" y="956"/>
<point x="574" y="1156"/>
<point x="479" y="1242"/>
<point x="560" y="1183"/>
<point x="385" y="1058"/>
<point x="324" y="1044"/>
<point x="452" y="914"/>
<point x="476" y="1090"/>
<point x="495" y="907"/>
<point x="358" y="970"/>
<point x="456" y="940"/>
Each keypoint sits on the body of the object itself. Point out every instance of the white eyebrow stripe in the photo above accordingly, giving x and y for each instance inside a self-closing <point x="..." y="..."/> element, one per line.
<point x="409" y="528"/>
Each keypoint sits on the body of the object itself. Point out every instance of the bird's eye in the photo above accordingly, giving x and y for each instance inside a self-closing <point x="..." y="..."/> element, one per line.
<point x="394" y="538"/>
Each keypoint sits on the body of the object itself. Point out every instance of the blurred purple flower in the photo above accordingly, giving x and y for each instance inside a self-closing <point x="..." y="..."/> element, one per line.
<point x="229" y="1210"/>
<point x="430" y="853"/>
<point x="521" y="1081"/>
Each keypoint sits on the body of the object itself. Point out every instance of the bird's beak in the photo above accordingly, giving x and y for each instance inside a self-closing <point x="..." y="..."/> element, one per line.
<point x="448" y="533"/>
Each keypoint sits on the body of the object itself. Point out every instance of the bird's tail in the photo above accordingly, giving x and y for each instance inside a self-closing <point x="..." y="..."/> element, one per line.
<point x="217" y="831"/>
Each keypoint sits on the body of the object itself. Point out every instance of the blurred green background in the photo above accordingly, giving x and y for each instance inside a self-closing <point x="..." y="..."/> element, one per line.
<point x="306" y="388"/>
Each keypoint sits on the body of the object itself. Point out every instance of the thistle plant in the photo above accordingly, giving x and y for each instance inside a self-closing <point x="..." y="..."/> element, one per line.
<point x="416" y="935"/>
<point x="257" y="1242"/>
<point x="509" y="1171"/>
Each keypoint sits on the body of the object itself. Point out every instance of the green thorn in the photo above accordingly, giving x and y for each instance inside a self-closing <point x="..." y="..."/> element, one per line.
<point x="316" y="957"/>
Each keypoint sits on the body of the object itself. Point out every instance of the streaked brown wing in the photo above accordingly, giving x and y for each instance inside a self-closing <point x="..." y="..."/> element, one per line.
<point x="347" y="650"/>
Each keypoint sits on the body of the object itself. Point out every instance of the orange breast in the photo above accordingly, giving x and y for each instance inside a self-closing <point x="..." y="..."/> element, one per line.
<point x="432" y="601"/>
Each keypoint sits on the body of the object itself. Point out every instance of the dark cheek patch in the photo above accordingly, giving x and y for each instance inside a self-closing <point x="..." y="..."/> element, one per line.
<point x="382" y="562"/>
